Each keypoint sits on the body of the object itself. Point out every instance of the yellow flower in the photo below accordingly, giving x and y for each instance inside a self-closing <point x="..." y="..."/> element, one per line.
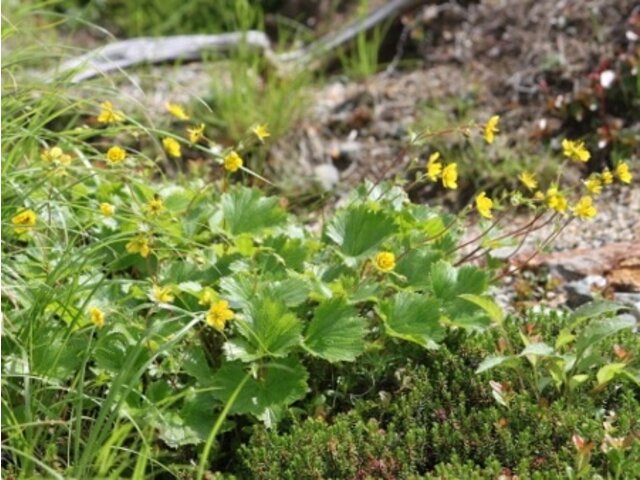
<point x="55" y="154"/>
<point x="172" y="147"/>
<point x="261" y="132"/>
<point x="538" y="196"/>
<point x="155" y="206"/>
<point x="607" y="176"/>
<point x="594" y="185"/>
<point x="116" y="155"/>
<point x="161" y="294"/>
<point x="233" y="162"/>
<point x="140" y="245"/>
<point x="195" y="133"/>
<point x="385" y="261"/>
<point x="108" y="114"/>
<point x="107" y="209"/>
<point x="23" y="221"/>
<point x="434" y="167"/>
<point x="491" y="128"/>
<point x="528" y="180"/>
<point x="584" y="208"/>
<point x="97" y="316"/>
<point x="623" y="173"/>
<point x="219" y="314"/>
<point x="484" y="205"/>
<point x="556" y="201"/>
<point x="51" y="154"/>
<point x="575" y="150"/>
<point x="450" y="176"/>
<point x="176" y="110"/>
<point x="65" y="159"/>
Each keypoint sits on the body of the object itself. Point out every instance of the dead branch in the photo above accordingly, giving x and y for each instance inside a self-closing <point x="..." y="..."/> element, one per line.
<point x="149" y="50"/>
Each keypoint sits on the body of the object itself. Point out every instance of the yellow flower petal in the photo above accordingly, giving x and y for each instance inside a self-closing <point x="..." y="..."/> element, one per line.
<point x="491" y="128"/>
<point x="172" y="147"/>
<point x="575" y="150"/>
<point x="219" y="314"/>
<point x="528" y="180"/>
<point x="385" y="261"/>
<point x="177" y="111"/>
<point x="450" y="176"/>
<point x="584" y="208"/>
<point x="116" y="155"/>
<point x="484" y="205"/>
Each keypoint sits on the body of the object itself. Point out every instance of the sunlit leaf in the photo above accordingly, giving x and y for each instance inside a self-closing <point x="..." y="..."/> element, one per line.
<point x="335" y="333"/>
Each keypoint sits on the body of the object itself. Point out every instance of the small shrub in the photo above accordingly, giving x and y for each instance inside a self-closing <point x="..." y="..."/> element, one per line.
<point x="442" y="421"/>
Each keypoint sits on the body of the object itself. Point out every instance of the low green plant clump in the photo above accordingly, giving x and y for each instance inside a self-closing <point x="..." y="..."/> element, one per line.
<point x="151" y="321"/>
<point x="441" y="420"/>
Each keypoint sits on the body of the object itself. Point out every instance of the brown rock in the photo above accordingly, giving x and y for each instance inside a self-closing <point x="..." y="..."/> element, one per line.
<point x="619" y="263"/>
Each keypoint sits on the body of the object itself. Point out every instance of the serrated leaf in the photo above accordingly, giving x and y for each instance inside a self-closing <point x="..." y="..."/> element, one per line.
<point x="415" y="266"/>
<point x="269" y="329"/>
<point x="358" y="230"/>
<point x="492" y="309"/>
<point x="177" y="200"/>
<point x="246" y="210"/>
<point x="292" y="291"/>
<point x="173" y="431"/>
<point x="335" y="333"/>
<point x="238" y="289"/>
<point x="280" y="383"/>
<point x="443" y="280"/>
<point x="471" y="280"/>
<point x="413" y="317"/>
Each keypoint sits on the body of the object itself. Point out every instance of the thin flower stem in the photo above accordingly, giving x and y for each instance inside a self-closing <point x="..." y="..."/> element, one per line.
<point x="516" y="233"/>
<point x="546" y="242"/>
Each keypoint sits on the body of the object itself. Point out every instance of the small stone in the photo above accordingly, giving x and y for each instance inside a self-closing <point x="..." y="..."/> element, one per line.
<point x="631" y="300"/>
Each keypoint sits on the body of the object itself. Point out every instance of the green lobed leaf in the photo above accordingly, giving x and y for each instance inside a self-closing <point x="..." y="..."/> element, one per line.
<point x="246" y="210"/>
<point x="278" y="384"/>
<point x="413" y="317"/>
<point x="415" y="266"/>
<point x="358" y="230"/>
<point x="269" y="329"/>
<point x="444" y="280"/>
<point x="335" y="333"/>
